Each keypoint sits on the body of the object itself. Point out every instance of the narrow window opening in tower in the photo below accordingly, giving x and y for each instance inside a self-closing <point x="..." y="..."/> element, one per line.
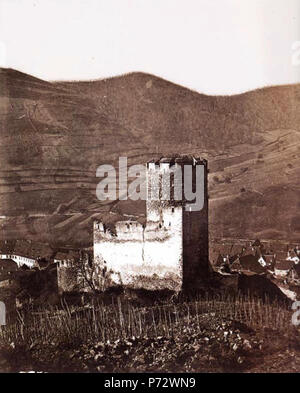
<point x="172" y="209"/>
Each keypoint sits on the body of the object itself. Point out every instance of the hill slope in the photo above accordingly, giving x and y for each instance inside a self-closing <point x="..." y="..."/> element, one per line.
<point x="53" y="136"/>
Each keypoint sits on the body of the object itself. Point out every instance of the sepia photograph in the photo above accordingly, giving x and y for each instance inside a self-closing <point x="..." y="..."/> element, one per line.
<point x="149" y="189"/>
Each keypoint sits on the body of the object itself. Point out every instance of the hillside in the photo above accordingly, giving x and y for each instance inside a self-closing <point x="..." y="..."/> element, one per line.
<point x="53" y="136"/>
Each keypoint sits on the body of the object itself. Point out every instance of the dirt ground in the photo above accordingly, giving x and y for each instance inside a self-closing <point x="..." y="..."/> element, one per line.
<point x="218" y="346"/>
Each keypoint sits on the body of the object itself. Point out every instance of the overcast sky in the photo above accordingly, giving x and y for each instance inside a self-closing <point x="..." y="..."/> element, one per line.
<point x="212" y="46"/>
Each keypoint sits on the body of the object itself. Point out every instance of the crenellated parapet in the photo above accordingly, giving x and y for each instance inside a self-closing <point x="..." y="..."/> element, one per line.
<point x="125" y="231"/>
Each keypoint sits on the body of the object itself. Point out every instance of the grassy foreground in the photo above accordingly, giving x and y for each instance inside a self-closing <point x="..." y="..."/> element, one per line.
<point x="217" y="334"/>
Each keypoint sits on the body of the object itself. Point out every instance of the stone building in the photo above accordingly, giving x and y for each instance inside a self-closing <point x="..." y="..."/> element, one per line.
<point x="76" y="272"/>
<point x="25" y="252"/>
<point x="171" y="249"/>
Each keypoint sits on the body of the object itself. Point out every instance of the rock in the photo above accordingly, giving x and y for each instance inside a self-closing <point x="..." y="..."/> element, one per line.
<point x="246" y="344"/>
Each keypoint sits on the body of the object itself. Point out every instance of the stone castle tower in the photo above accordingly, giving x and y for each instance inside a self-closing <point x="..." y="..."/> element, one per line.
<point x="171" y="249"/>
<point x="195" y="252"/>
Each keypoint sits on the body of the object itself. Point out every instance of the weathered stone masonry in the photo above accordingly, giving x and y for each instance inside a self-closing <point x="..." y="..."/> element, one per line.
<point x="170" y="251"/>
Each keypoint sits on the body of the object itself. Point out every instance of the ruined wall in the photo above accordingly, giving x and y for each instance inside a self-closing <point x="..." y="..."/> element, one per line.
<point x="79" y="276"/>
<point x="67" y="279"/>
<point x="141" y="257"/>
<point x="163" y="248"/>
<point x="121" y="253"/>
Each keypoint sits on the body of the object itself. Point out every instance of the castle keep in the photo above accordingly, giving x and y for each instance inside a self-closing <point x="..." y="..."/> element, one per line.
<point x="171" y="249"/>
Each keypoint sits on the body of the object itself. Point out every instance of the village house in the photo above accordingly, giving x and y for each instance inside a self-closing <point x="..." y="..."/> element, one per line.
<point x="42" y="263"/>
<point x="7" y="267"/>
<point x="294" y="273"/>
<point x="267" y="261"/>
<point x="25" y="252"/>
<point x="222" y="263"/>
<point x="248" y="263"/>
<point x="293" y="256"/>
<point x="283" y="267"/>
<point x="19" y="259"/>
<point x="66" y="257"/>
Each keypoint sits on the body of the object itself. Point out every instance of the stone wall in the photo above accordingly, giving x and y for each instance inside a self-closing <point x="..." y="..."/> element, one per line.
<point x="67" y="279"/>
<point x="142" y="257"/>
<point x="171" y="250"/>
